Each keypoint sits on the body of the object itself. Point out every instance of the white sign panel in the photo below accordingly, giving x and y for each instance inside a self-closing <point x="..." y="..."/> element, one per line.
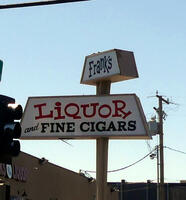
<point x="100" y="65"/>
<point x="113" y="65"/>
<point x="84" y="117"/>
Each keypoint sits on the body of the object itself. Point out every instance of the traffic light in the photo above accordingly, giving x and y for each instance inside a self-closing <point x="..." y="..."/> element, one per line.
<point x="9" y="128"/>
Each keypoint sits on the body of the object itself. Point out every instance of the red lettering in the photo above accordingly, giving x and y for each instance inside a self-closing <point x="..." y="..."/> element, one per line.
<point x="75" y="114"/>
<point x="25" y="174"/>
<point x="104" y="115"/>
<point x="58" y="109"/>
<point x="19" y="173"/>
<point x="85" y="106"/>
<point x="40" y="110"/>
<point x="14" y="172"/>
<point x="119" y="108"/>
<point x="116" y="108"/>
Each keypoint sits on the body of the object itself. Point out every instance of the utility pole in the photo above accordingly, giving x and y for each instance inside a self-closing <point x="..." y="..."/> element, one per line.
<point x="158" y="172"/>
<point x="160" y="131"/>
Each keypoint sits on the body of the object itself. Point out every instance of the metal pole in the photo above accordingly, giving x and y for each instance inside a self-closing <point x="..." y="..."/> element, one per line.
<point x="147" y="190"/>
<point x="122" y="190"/>
<point x="167" y="191"/>
<point x="102" y="88"/>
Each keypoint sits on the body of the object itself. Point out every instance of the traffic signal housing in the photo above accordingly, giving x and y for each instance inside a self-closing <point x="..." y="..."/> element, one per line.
<point x="9" y="128"/>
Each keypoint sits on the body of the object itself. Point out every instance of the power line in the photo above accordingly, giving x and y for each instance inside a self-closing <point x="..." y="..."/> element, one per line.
<point x="175" y="150"/>
<point x="37" y="3"/>
<point x="131" y="164"/>
<point x="120" y="169"/>
<point x="116" y="170"/>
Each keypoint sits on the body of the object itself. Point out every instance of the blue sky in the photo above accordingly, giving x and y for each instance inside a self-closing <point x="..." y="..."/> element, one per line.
<point x="43" y="49"/>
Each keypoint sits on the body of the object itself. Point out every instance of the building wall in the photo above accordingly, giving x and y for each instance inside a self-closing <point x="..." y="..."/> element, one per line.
<point x="35" y="181"/>
<point x="148" y="191"/>
<point x="177" y="193"/>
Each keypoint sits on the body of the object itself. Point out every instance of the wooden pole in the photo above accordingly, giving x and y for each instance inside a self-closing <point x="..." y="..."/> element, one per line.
<point x="102" y="88"/>
<point x="158" y="174"/>
<point x="162" y="197"/>
<point x="160" y="112"/>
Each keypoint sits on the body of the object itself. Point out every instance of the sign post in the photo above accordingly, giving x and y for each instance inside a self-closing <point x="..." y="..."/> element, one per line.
<point x="101" y="69"/>
<point x="102" y="88"/>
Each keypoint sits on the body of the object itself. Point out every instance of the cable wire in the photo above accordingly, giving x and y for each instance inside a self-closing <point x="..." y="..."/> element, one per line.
<point x="175" y="150"/>
<point x="116" y="170"/>
<point x="37" y="3"/>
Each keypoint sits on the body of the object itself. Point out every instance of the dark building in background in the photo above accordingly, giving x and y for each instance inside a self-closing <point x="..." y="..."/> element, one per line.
<point x="148" y="191"/>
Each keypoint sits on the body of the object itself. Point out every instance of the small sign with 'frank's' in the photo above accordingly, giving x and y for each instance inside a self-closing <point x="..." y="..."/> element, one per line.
<point x="114" y="65"/>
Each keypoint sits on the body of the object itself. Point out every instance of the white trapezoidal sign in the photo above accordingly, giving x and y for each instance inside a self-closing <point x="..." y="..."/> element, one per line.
<point x="114" y="65"/>
<point x="84" y="117"/>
